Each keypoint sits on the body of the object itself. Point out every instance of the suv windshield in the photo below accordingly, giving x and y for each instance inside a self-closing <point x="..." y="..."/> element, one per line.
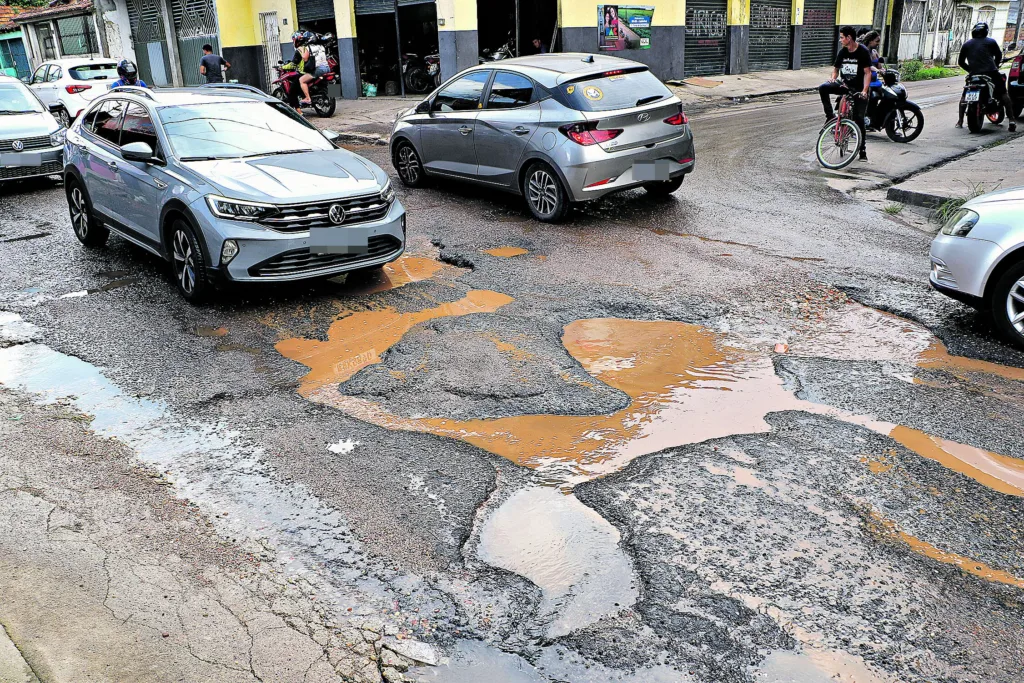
<point x="17" y="99"/>
<point x="231" y="130"/>
<point x="612" y="90"/>
<point x="92" y="72"/>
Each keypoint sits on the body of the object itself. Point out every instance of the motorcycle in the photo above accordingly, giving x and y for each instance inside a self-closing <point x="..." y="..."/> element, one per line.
<point x="980" y="100"/>
<point x="415" y="70"/>
<point x="323" y="91"/>
<point x="889" y="109"/>
<point x="506" y="51"/>
<point x="434" y="68"/>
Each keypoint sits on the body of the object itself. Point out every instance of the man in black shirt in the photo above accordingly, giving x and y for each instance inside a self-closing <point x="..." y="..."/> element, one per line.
<point x="211" y="65"/>
<point x="851" y="70"/>
<point x="981" y="56"/>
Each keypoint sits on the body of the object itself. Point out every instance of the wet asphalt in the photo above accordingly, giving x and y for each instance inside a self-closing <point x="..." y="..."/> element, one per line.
<point x="815" y="548"/>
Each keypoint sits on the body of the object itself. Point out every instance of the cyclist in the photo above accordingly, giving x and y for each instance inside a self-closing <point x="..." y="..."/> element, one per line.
<point x="129" y="75"/>
<point x="980" y="56"/>
<point x="850" y="70"/>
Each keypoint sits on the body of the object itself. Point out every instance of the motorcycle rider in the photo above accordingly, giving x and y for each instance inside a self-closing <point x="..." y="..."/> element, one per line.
<point x="129" y="75"/>
<point x="980" y="56"/>
<point x="850" y="70"/>
<point x="314" y="65"/>
<point x="871" y="41"/>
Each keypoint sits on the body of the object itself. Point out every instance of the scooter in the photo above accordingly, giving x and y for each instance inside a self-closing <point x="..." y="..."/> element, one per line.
<point x="890" y="109"/>
<point x="323" y="91"/>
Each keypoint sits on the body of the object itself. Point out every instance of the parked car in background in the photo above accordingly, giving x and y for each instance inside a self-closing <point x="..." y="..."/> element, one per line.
<point x="72" y="84"/>
<point x="31" y="140"/>
<point x="227" y="184"/>
<point x="978" y="258"/>
<point x="1015" y="83"/>
<point x="556" y="128"/>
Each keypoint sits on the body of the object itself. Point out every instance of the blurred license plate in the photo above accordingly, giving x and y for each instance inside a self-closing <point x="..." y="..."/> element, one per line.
<point x="339" y="240"/>
<point x="651" y="170"/>
<point x="334" y="90"/>
<point x="21" y="159"/>
<point x="972" y="96"/>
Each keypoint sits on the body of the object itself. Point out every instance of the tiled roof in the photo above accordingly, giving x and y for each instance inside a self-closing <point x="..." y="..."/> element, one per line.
<point x="55" y="8"/>
<point x="7" y="17"/>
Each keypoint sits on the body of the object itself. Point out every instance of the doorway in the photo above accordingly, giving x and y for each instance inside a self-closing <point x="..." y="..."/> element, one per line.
<point x="515" y="25"/>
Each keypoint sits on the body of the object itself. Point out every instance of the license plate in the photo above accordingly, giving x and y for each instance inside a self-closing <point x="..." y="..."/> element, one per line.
<point x="651" y="170"/>
<point x="339" y="240"/>
<point x="334" y="90"/>
<point x="972" y="96"/>
<point x="21" y="159"/>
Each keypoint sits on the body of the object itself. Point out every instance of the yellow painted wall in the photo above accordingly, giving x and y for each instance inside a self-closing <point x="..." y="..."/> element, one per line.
<point x="737" y="12"/>
<point x="583" y="13"/>
<point x="458" y="15"/>
<point x="345" y="18"/>
<point x="797" y="15"/>
<point x="238" y="20"/>
<point x="855" y="13"/>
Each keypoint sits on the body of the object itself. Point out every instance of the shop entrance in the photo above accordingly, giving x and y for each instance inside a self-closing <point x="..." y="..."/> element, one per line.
<point x="386" y="68"/>
<point x="510" y="27"/>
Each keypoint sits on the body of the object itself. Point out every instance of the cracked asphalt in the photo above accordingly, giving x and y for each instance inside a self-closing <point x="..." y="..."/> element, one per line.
<point x="527" y="452"/>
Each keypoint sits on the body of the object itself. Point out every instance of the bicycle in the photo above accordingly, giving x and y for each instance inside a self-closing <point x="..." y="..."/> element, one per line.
<point x="840" y="139"/>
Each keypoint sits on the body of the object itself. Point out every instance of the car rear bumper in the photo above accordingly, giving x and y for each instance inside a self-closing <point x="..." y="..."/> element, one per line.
<point x="962" y="264"/>
<point x="584" y="167"/>
<point x="268" y="256"/>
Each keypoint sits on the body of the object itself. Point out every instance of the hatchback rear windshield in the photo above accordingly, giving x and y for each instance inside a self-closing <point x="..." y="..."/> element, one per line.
<point x="93" y="72"/>
<point x="605" y="92"/>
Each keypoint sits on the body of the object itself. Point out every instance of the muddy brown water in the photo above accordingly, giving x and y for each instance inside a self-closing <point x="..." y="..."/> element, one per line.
<point x="506" y="252"/>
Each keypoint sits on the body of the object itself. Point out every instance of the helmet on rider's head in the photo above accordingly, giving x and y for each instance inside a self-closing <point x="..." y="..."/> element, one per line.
<point x="310" y="37"/>
<point x="980" y="30"/>
<point x="299" y="38"/>
<point x="127" y="71"/>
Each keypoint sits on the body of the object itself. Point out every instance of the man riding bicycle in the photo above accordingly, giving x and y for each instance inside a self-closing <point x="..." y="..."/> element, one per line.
<point x="980" y="56"/>
<point x="851" y="71"/>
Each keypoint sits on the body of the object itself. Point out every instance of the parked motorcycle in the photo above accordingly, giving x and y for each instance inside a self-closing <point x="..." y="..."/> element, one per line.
<point x="415" y="73"/>
<point x="434" y="68"/>
<point x="506" y="51"/>
<point x="889" y="109"/>
<point x="979" y="96"/>
<point x="323" y="91"/>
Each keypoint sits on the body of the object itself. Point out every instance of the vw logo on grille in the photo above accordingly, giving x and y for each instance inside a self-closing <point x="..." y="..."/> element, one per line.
<point x="643" y="117"/>
<point x="336" y="214"/>
<point x="18" y="145"/>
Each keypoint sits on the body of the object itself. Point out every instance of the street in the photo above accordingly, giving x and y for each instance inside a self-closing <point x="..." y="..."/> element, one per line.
<point x="731" y="435"/>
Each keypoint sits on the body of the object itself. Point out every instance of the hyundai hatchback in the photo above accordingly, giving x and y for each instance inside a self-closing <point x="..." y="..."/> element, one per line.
<point x="555" y="128"/>
<point x="227" y="183"/>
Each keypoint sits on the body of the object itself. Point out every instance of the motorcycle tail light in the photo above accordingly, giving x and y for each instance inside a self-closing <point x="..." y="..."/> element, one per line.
<point x="75" y="89"/>
<point x="587" y="134"/>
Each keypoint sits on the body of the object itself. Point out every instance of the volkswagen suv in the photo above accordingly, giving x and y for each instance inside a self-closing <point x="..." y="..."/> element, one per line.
<point x="226" y="183"/>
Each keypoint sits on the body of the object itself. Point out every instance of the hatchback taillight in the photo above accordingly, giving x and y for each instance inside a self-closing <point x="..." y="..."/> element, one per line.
<point x="587" y="134"/>
<point x="75" y="89"/>
<point x="1015" y="66"/>
<point x="677" y="119"/>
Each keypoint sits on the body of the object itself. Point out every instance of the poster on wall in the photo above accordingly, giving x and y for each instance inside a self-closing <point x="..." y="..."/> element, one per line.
<point x="624" y="27"/>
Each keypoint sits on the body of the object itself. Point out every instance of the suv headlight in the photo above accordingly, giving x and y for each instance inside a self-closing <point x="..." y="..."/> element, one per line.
<point x="960" y="223"/>
<point x="222" y="207"/>
<point x="57" y="139"/>
<point x="388" y="193"/>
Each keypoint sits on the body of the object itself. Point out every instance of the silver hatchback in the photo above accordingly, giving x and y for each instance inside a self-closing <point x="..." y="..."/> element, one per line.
<point x="556" y="128"/>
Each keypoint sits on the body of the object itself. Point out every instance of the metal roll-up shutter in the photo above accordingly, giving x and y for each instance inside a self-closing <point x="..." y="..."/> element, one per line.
<point x="312" y="10"/>
<point x="770" y="34"/>
<point x="820" y="41"/>
<point x="704" y="52"/>
<point x="384" y="6"/>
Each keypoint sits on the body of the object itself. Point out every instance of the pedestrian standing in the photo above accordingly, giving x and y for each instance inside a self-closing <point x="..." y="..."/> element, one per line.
<point x="212" y="66"/>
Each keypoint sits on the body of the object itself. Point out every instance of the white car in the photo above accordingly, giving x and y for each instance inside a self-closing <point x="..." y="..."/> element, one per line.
<point x="72" y="84"/>
<point x="978" y="258"/>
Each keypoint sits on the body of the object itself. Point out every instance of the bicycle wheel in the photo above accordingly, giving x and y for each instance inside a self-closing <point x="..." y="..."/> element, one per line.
<point x="838" y="144"/>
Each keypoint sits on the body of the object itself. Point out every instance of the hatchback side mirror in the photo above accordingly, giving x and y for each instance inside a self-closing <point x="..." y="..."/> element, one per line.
<point x="138" y="151"/>
<point x="423" y="107"/>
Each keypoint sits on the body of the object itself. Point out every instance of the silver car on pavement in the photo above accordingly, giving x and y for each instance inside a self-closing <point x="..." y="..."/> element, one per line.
<point x="556" y="128"/>
<point x="978" y="258"/>
<point x="31" y="139"/>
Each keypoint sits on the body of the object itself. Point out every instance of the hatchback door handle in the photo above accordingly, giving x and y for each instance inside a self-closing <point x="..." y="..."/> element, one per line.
<point x="112" y="166"/>
<point x="520" y="130"/>
<point x="465" y="130"/>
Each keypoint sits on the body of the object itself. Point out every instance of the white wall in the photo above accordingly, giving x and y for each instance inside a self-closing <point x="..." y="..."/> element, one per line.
<point x="118" y="29"/>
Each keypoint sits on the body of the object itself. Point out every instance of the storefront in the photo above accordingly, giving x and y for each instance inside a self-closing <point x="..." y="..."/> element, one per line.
<point x="770" y="33"/>
<point x="820" y="35"/>
<point x="705" y="46"/>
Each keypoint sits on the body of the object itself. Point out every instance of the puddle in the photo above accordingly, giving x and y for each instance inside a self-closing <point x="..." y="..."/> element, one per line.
<point x="569" y="551"/>
<point x="815" y="666"/>
<point x="204" y="331"/>
<point x="506" y="252"/>
<point x="358" y="339"/>
<point x="400" y="273"/>
<point x="105" y="287"/>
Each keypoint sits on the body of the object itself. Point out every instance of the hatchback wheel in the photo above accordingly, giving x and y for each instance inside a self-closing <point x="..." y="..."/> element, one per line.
<point x="1007" y="305"/>
<point x="544" y="193"/>
<point x="407" y="163"/>
<point x="64" y="117"/>
<point x="87" y="230"/>
<point x="664" y="188"/>
<point x="188" y="262"/>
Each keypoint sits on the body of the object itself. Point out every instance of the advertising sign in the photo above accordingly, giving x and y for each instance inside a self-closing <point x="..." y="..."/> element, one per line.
<point x="624" y="27"/>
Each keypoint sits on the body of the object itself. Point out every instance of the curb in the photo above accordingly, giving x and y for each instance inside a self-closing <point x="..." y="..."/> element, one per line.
<point x="923" y="200"/>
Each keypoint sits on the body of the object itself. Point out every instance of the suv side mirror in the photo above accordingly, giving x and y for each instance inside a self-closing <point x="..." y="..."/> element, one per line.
<point x="424" y="107"/>
<point x="138" y="151"/>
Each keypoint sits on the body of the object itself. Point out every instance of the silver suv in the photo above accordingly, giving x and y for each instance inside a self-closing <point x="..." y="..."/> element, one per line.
<point x="227" y="183"/>
<point x="556" y="128"/>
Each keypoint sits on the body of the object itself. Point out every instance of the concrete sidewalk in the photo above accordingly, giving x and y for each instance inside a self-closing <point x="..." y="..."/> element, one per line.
<point x="994" y="168"/>
<point x="368" y="120"/>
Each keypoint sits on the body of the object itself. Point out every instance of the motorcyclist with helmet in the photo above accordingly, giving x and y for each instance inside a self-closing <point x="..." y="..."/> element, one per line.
<point x="314" y="62"/>
<point x="129" y="75"/>
<point x="980" y="56"/>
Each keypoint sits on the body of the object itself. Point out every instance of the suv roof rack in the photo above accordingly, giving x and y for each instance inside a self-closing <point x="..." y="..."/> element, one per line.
<point x="134" y="90"/>
<point x="235" y="86"/>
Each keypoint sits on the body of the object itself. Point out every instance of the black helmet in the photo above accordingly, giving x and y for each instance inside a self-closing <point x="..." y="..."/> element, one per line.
<point x="298" y="39"/>
<point x="127" y="71"/>
<point x="980" y="30"/>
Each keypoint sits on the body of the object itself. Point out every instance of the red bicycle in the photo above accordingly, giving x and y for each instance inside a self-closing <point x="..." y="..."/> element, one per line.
<point x="840" y="139"/>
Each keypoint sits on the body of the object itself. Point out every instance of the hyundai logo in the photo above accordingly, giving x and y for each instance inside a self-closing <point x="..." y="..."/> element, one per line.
<point x="336" y="214"/>
<point x="643" y="117"/>
<point x="18" y="145"/>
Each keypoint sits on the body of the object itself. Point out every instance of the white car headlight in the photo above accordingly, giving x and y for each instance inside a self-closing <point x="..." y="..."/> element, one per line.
<point x="960" y="223"/>
<point x="57" y="139"/>
<point x="388" y="193"/>
<point x="222" y="207"/>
